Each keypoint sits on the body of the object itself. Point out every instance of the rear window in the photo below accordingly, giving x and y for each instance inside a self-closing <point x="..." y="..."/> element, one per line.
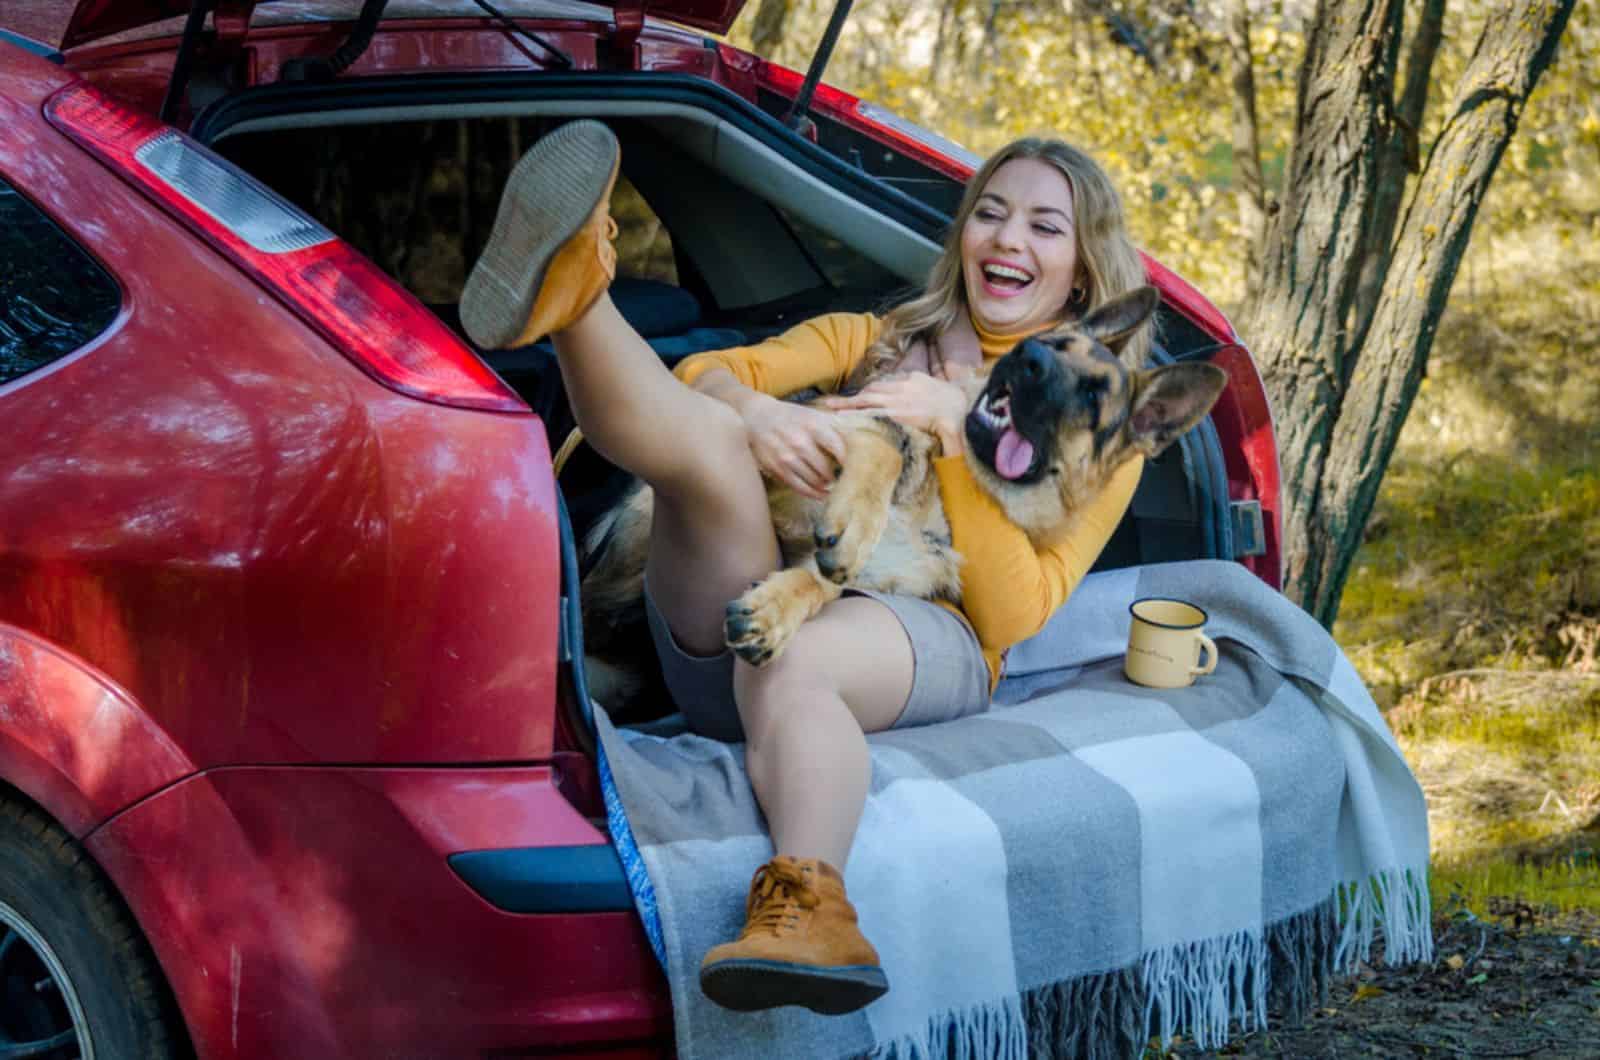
<point x="845" y="268"/>
<point x="54" y="298"/>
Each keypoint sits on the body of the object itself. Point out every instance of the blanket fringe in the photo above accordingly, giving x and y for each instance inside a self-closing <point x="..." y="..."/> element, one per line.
<point x="1202" y="987"/>
<point x="994" y="1030"/>
<point x="1395" y="901"/>
<point x="1209" y="989"/>
<point x="1301" y="960"/>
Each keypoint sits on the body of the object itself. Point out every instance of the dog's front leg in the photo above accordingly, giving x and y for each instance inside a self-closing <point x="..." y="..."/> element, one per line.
<point x="760" y="623"/>
<point x="857" y="509"/>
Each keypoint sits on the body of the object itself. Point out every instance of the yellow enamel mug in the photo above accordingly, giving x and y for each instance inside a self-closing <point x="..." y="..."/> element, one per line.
<point x="1166" y="648"/>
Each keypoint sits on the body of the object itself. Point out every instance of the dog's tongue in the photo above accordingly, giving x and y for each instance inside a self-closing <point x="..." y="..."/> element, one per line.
<point x="1013" y="455"/>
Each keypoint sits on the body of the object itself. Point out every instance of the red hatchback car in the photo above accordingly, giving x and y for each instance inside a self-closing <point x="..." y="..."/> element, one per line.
<point x="293" y="749"/>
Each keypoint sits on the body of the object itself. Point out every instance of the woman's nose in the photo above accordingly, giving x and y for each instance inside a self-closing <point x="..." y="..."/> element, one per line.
<point x="1010" y="233"/>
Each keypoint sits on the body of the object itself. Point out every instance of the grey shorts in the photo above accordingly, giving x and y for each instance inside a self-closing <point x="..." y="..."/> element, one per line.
<point x="951" y="679"/>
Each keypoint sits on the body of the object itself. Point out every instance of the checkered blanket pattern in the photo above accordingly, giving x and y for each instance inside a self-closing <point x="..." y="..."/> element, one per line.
<point x="1089" y="864"/>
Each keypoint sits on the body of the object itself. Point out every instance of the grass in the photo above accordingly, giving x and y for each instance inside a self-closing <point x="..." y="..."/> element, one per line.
<point x="1474" y="609"/>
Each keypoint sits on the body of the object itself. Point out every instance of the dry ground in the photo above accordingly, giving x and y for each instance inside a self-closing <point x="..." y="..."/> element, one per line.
<point x="1521" y="986"/>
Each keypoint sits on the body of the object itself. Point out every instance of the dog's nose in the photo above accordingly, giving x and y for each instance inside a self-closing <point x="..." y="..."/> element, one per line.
<point x="1038" y="361"/>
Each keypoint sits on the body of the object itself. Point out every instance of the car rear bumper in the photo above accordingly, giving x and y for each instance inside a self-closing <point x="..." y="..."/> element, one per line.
<point x="328" y="912"/>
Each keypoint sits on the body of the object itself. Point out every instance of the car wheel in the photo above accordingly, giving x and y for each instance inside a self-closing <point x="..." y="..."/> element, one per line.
<point x="77" y="979"/>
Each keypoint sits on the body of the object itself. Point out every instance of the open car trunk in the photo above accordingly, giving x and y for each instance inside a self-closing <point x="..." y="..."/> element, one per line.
<point x="731" y="230"/>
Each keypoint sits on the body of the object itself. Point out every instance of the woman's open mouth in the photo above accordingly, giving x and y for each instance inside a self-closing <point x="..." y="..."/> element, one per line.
<point x="1003" y="280"/>
<point x="1013" y="454"/>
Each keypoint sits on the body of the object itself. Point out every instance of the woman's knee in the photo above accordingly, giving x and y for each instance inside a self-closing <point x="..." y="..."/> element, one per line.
<point x="798" y="681"/>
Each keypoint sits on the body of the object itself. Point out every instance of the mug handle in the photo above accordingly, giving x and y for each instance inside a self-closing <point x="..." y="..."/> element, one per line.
<point x="1208" y="651"/>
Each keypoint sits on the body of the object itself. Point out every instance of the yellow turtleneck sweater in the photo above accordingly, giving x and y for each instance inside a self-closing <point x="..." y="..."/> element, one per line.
<point x="1009" y="589"/>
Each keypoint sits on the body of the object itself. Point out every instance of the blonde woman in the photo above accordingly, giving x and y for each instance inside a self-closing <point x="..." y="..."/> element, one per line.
<point x="1039" y="238"/>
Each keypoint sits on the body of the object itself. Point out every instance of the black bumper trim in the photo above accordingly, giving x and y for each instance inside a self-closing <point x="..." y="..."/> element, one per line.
<point x="575" y="879"/>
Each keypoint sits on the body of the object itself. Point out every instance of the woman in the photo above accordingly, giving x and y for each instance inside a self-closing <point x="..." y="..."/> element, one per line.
<point x="1039" y="238"/>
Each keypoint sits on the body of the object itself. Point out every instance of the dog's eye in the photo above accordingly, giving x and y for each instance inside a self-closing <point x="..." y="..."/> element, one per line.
<point x="1094" y="392"/>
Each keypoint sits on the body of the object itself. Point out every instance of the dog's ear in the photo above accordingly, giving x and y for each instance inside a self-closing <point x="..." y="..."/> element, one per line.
<point x="1118" y="317"/>
<point x="1168" y="401"/>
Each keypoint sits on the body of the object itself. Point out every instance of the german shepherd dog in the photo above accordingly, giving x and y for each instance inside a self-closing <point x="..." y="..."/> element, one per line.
<point x="1048" y="426"/>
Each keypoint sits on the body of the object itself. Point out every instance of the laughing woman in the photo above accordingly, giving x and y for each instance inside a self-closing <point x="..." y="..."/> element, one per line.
<point x="1039" y="238"/>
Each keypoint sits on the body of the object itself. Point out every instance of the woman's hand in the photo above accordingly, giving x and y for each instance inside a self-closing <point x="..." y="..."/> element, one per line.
<point x="799" y="446"/>
<point x="917" y="400"/>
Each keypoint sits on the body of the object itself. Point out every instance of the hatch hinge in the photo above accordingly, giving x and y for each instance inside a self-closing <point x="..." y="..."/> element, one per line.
<point x="328" y="67"/>
<point x="622" y="47"/>
<point x="207" y="63"/>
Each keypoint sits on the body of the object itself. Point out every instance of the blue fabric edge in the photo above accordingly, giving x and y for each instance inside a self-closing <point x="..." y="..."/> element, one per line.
<point x="644" y="892"/>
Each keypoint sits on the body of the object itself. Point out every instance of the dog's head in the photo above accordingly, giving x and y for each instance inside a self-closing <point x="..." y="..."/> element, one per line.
<point x="1060" y="413"/>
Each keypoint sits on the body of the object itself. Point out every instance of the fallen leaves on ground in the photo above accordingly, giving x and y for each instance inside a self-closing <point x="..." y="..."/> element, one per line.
<point x="1528" y="986"/>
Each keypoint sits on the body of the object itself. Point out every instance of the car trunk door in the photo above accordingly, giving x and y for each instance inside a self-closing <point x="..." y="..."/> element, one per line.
<point x="95" y="19"/>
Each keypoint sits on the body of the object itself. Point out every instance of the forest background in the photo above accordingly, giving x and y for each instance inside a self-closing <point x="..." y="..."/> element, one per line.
<point x="1473" y="605"/>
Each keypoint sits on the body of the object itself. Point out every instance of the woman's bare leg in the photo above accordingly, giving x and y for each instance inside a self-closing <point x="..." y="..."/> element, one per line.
<point x="545" y="270"/>
<point x="847" y="672"/>
<point x="711" y="535"/>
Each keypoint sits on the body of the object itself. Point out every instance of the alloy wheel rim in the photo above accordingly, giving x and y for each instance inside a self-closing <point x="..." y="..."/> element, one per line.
<point x="40" y="1014"/>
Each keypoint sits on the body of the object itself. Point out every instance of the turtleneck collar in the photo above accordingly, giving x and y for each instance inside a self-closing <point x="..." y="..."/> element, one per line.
<point x="994" y="344"/>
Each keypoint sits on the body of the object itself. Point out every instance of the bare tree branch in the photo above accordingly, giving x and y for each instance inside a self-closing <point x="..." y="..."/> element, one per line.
<point x="1247" y="142"/>
<point x="1398" y="156"/>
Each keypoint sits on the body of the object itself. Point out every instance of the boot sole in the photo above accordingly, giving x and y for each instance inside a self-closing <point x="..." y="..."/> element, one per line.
<point x="750" y="985"/>
<point x="551" y="192"/>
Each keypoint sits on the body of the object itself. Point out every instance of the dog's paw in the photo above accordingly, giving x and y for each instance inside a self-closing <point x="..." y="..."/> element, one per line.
<point x="758" y="625"/>
<point x="843" y="544"/>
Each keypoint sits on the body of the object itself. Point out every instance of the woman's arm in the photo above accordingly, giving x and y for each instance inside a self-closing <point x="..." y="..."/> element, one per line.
<point x="1009" y="590"/>
<point x="819" y="353"/>
<point x="800" y="447"/>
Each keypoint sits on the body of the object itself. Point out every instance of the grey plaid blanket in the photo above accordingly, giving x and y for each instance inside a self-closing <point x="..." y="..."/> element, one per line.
<point x="1088" y="864"/>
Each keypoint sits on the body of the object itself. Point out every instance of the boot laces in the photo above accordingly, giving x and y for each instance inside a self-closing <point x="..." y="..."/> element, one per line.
<point x="777" y="895"/>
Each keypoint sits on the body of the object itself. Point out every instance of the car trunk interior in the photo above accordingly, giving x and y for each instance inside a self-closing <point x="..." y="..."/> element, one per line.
<point x="725" y="239"/>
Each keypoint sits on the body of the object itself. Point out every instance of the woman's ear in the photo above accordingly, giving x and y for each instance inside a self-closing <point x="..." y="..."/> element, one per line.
<point x="1120" y="316"/>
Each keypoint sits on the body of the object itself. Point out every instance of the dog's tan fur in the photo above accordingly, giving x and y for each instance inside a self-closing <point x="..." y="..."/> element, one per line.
<point x="883" y="526"/>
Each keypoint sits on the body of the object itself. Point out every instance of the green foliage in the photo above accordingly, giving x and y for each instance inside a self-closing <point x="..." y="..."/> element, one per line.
<point x="1474" y="610"/>
<point x="1162" y="126"/>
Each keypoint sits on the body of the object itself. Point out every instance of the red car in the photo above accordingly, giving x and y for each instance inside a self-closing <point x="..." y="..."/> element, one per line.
<point x="293" y="750"/>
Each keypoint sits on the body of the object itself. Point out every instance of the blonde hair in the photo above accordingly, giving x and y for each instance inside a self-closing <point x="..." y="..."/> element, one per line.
<point x="1105" y="253"/>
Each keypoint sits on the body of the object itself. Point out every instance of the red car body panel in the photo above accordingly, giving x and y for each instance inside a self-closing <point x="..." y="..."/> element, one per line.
<point x="72" y="739"/>
<point x="269" y="896"/>
<point x="204" y="469"/>
<point x="274" y="636"/>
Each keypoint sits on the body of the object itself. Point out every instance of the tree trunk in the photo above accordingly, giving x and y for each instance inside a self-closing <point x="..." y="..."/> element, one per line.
<point x="1342" y="396"/>
<point x="769" y="28"/>
<point x="1517" y="45"/>
<point x="1247" y="143"/>
<point x="1311" y="258"/>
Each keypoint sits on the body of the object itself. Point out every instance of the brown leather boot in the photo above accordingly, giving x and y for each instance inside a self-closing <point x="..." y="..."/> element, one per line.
<point x="800" y="946"/>
<point x="549" y="255"/>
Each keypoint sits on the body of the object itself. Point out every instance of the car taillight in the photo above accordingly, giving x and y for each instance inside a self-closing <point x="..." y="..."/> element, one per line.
<point x="326" y="282"/>
<point x="908" y="138"/>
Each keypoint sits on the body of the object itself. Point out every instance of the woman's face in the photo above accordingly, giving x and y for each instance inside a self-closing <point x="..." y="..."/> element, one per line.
<point x="1019" y="248"/>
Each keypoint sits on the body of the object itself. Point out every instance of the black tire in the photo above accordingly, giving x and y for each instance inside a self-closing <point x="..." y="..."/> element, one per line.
<point x="77" y="978"/>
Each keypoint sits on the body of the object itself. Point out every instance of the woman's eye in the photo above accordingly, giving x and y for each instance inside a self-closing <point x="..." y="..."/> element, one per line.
<point x="1047" y="230"/>
<point x="988" y="215"/>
